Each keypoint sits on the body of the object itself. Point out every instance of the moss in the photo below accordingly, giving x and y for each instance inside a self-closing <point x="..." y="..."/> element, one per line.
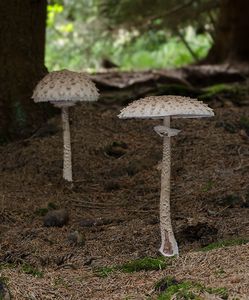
<point x="208" y="186"/>
<point x="164" y="283"/>
<point x="137" y="265"/>
<point x="220" y="272"/>
<point x="225" y="243"/>
<point x="60" y="282"/>
<point x="43" y="210"/>
<point x="25" y="268"/>
<point x="222" y="88"/>
<point x="4" y="279"/>
<point x="183" y="290"/>
<point x="144" y="264"/>
<point x="221" y="292"/>
<point x="116" y="149"/>
<point x="7" y="266"/>
<point x="171" y="288"/>
<point x="104" y="271"/>
<point x="52" y="206"/>
<point x="28" y="269"/>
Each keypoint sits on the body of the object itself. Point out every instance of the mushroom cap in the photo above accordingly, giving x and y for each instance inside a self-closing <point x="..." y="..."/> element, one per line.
<point x="158" y="107"/>
<point x="65" y="85"/>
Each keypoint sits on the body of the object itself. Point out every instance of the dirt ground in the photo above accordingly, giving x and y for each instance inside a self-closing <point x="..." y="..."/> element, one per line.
<point x="114" y="203"/>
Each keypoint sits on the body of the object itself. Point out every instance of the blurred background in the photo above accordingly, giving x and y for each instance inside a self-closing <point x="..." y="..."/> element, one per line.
<point x="203" y="42"/>
<point x="141" y="34"/>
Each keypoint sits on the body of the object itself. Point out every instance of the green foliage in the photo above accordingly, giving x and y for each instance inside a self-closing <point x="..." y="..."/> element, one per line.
<point x="144" y="14"/>
<point x="25" y="267"/>
<point x="79" y="36"/>
<point x="137" y="265"/>
<point x="43" y="210"/>
<point x="104" y="271"/>
<point x="225" y="243"/>
<point x="222" y="88"/>
<point x="172" y="289"/>
<point x="28" y="269"/>
<point x="208" y="186"/>
<point x="7" y="266"/>
<point x="51" y="206"/>
<point x="4" y="279"/>
<point x="144" y="264"/>
<point x="60" y="281"/>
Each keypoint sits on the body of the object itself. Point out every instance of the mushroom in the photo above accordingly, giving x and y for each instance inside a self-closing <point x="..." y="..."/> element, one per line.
<point x="164" y="107"/>
<point x="63" y="89"/>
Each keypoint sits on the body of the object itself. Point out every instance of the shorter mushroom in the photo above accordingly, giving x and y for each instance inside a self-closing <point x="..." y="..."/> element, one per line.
<point x="164" y="107"/>
<point x="63" y="89"/>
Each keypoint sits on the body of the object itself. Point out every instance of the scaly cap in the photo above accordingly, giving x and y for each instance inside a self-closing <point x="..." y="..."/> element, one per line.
<point x="65" y="85"/>
<point x="158" y="107"/>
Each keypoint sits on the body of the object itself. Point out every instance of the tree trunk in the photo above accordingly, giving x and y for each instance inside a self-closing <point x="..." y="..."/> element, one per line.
<point x="22" y="44"/>
<point x="231" y="41"/>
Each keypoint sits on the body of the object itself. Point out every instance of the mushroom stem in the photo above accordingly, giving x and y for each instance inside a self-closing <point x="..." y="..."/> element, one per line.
<point x="67" y="163"/>
<point x="169" y="245"/>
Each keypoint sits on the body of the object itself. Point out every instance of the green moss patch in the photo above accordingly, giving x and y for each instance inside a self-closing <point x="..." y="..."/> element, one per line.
<point x="144" y="264"/>
<point x="169" y="288"/>
<point x="44" y="210"/>
<point x="25" y="268"/>
<point x="225" y="243"/>
<point x="28" y="269"/>
<point x="221" y="89"/>
<point x="137" y="265"/>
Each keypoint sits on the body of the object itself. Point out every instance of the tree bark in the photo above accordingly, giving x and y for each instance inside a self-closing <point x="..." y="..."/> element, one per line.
<point x="231" y="40"/>
<point x="22" y="47"/>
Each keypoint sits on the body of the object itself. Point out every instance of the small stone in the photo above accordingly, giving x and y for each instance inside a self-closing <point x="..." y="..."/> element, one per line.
<point x="56" y="218"/>
<point x="76" y="238"/>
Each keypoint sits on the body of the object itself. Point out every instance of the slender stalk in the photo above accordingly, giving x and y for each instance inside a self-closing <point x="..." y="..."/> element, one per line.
<point x="67" y="163"/>
<point x="169" y="245"/>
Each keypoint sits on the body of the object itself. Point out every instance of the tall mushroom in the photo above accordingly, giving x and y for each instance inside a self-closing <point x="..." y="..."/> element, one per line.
<point x="165" y="107"/>
<point x="63" y="89"/>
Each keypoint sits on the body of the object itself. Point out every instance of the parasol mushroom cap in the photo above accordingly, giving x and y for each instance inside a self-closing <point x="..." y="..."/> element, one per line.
<point x="158" y="107"/>
<point x="64" y="88"/>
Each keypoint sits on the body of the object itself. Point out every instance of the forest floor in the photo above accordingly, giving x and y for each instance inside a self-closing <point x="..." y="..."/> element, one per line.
<point x="113" y="206"/>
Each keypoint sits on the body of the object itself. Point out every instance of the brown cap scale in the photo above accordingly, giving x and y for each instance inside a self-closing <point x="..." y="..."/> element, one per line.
<point x="164" y="107"/>
<point x="63" y="89"/>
